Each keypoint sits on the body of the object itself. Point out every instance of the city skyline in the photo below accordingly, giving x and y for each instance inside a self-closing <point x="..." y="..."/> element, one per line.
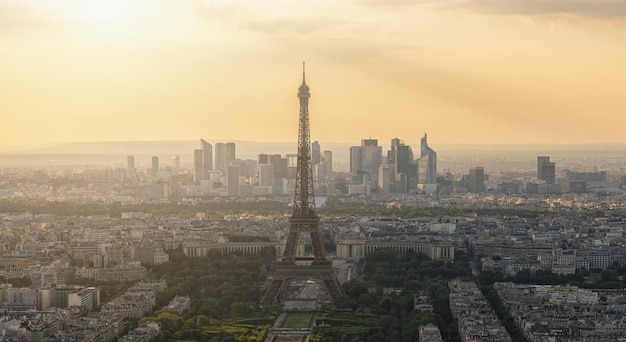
<point x="544" y="72"/>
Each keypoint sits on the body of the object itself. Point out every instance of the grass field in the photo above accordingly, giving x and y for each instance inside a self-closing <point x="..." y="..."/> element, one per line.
<point x="298" y="320"/>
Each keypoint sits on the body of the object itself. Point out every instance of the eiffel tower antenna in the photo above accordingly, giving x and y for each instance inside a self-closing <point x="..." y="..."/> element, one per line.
<point x="304" y="219"/>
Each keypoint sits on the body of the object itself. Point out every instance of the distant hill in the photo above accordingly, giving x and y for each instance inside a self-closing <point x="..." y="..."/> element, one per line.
<point x="180" y="147"/>
<point x="115" y="152"/>
<point x="105" y="152"/>
<point x="253" y="148"/>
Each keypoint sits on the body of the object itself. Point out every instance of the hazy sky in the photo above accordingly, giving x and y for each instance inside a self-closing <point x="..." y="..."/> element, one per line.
<point x="464" y="71"/>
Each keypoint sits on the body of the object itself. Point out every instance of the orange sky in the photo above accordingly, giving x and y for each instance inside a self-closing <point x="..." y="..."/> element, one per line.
<point x="464" y="71"/>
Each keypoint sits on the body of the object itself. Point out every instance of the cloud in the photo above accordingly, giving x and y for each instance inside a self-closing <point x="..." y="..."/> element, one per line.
<point x="292" y="25"/>
<point x="589" y="8"/>
<point x="586" y="8"/>
<point x="262" y="19"/>
<point x="19" y="15"/>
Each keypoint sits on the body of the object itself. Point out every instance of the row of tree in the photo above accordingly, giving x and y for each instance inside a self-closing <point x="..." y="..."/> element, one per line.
<point x="336" y="206"/>
<point x="386" y="293"/>
<point x="219" y="209"/>
<point x="224" y="290"/>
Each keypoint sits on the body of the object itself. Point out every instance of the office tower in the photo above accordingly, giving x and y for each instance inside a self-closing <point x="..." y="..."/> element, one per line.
<point x="402" y="158"/>
<point x="303" y="220"/>
<point x="392" y="152"/>
<point x="369" y="142"/>
<point x="224" y="154"/>
<point x="266" y="174"/>
<point x="316" y="153"/>
<point x="540" y="161"/>
<point x="155" y="165"/>
<point x="477" y="179"/>
<point x="176" y="163"/>
<point x="386" y="178"/>
<point x="251" y="166"/>
<point x="365" y="161"/>
<point x="198" y="169"/>
<point x="546" y="170"/>
<point x="292" y="165"/>
<point x="232" y="180"/>
<point x="328" y="165"/>
<point x="207" y="158"/>
<point x="220" y="156"/>
<point x="427" y="172"/>
<point x="356" y="165"/>
<point x="130" y="167"/>
<point x="405" y="176"/>
<point x="280" y="163"/>
<point x="247" y="167"/>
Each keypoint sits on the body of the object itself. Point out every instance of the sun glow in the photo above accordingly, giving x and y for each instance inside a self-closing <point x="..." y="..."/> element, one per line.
<point x="106" y="12"/>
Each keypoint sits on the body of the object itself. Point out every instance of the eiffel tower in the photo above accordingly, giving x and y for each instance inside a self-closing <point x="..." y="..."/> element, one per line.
<point x="303" y="220"/>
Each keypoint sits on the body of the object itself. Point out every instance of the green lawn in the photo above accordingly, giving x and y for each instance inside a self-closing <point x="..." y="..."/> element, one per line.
<point x="298" y="320"/>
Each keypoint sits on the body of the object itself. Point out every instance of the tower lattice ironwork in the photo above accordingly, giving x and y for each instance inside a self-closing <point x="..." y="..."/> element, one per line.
<point x="304" y="220"/>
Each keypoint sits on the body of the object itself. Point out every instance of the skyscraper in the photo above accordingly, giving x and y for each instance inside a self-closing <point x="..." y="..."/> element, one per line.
<point x="130" y="167"/>
<point x="279" y="162"/>
<point x="546" y="170"/>
<point x="365" y="161"/>
<point x="391" y="154"/>
<point x="427" y="164"/>
<point x="369" y="142"/>
<point x="198" y="169"/>
<point x="232" y="180"/>
<point x="266" y="174"/>
<point x="316" y="153"/>
<point x="176" y="163"/>
<point x="207" y="158"/>
<point x="477" y="179"/>
<point x="155" y="165"/>
<point x="402" y="158"/>
<point x="328" y="165"/>
<point x="224" y="154"/>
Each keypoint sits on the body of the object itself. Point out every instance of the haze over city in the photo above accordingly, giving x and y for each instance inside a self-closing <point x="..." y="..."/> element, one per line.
<point x="465" y="72"/>
<point x="359" y="170"/>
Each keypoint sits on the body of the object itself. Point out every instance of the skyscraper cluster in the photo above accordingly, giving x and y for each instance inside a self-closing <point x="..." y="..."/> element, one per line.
<point x="397" y="172"/>
<point x="269" y="174"/>
<point x="206" y="174"/>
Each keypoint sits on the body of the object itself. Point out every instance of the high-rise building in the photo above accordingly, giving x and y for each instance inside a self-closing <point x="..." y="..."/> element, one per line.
<point x="386" y="178"/>
<point x="130" y="167"/>
<point x="356" y="164"/>
<point x="477" y="179"/>
<point x="427" y="164"/>
<point x="316" y="153"/>
<point x="155" y="165"/>
<point x="280" y="163"/>
<point x="176" y="163"/>
<point x="224" y="154"/>
<point x="402" y="158"/>
<point x="198" y="169"/>
<point x="391" y="154"/>
<point x="207" y="158"/>
<point x="328" y="164"/>
<point x="323" y="172"/>
<point x="266" y="174"/>
<point x="369" y="142"/>
<point x="546" y="170"/>
<point x="232" y="180"/>
<point x="365" y="161"/>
